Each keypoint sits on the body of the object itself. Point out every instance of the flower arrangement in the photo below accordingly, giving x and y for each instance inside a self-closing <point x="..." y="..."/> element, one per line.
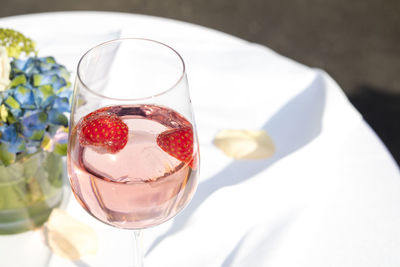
<point x="34" y="99"/>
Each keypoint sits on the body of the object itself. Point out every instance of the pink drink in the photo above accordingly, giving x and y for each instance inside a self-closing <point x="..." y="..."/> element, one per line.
<point x="141" y="185"/>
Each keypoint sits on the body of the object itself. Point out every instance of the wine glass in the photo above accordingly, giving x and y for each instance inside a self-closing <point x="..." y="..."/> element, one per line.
<point x="133" y="157"/>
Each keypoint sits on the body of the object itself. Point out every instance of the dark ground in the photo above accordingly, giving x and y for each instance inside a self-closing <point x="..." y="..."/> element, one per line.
<point x="357" y="41"/>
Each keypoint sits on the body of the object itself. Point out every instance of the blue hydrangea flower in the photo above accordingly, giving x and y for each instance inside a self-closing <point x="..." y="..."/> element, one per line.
<point x="9" y="135"/>
<point x="33" y="108"/>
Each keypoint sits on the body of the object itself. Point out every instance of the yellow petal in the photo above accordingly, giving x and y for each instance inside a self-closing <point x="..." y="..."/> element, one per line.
<point x="245" y="144"/>
<point x="68" y="237"/>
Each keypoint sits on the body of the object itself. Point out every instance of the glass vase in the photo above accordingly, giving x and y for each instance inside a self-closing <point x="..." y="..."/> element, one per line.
<point x="29" y="189"/>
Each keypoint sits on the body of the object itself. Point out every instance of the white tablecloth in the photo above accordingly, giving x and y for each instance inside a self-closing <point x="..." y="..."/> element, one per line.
<point x="330" y="196"/>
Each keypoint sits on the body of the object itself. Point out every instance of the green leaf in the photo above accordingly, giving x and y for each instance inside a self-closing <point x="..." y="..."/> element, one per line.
<point x="20" y="79"/>
<point x="6" y="157"/>
<point x="58" y="118"/>
<point x="21" y="145"/>
<point x="33" y="174"/>
<point x="12" y="103"/>
<point x="23" y="90"/>
<point x="11" y="174"/>
<point x="37" y="79"/>
<point x="12" y="187"/>
<point x="46" y="90"/>
<point x="31" y="164"/>
<point x="34" y="187"/>
<point x="50" y="60"/>
<point x="11" y="119"/>
<point x="37" y="135"/>
<point x="60" y="149"/>
<point x="55" y="168"/>
<point x="43" y="117"/>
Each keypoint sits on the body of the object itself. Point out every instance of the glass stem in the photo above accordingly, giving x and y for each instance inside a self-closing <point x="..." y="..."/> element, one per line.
<point x="137" y="248"/>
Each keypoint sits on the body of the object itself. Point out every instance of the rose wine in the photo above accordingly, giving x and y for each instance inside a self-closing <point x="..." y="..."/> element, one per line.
<point x="140" y="185"/>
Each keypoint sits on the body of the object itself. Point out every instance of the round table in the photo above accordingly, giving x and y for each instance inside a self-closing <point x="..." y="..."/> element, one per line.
<point x="329" y="196"/>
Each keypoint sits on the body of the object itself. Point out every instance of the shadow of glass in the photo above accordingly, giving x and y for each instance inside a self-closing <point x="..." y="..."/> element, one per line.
<point x="295" y="125"/>
<point x="270" y="237"/>
<point x="80" y="263"/>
